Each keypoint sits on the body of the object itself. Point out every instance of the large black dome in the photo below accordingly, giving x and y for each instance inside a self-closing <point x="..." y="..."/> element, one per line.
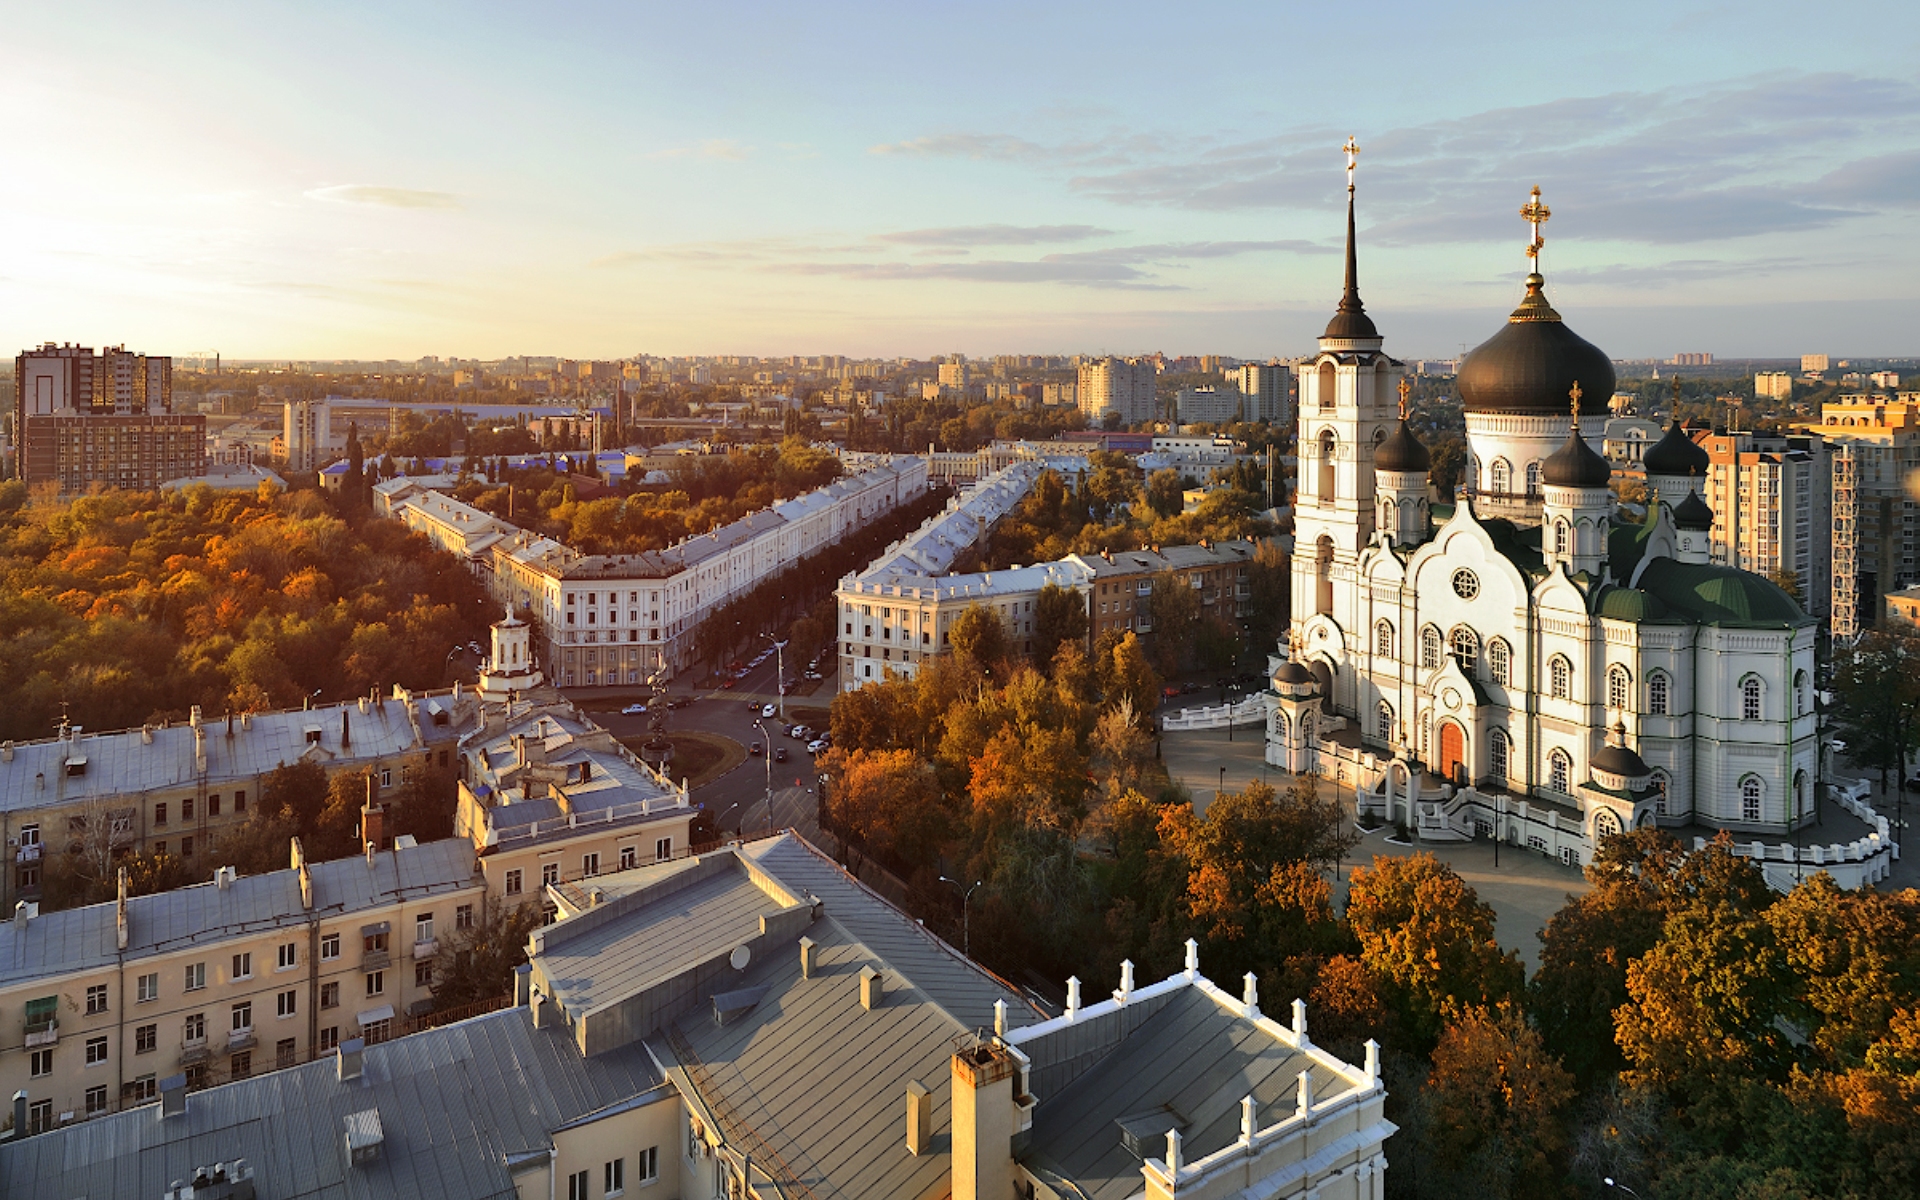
<point x="1402" y="451"/>
<point x="1676" y="454"/>
<point x="1532" y="364"/>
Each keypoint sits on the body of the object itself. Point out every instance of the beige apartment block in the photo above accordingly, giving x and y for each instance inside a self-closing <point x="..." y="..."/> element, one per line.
<point x="178" y="788"/>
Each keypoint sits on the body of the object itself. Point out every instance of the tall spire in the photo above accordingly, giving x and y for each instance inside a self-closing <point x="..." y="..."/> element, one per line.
<point x="1350" y="320"/>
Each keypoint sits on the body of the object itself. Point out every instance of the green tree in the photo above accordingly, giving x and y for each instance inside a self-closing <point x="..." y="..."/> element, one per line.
<point x="477" y="963"/>
<point x="978" y="637"/>
<point x="1059" y="615"/>
<point x="1174" y="606"/>
<point x="1877" y="689"/>
<point x="1493" y="1119"/>
<point x="1123" y="673"/>
<point x="1165" y="492"/>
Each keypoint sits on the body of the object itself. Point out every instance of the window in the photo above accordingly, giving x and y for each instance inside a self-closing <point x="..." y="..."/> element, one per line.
<point x="1501" y="477"/>
<point x="1559" y="537"/>
<point x="1466" y="648"/>
<point x="40" y="1116"/>
<point x="1560" y="678"/>
<point x="186" y="847"/>
<point x="629" y="857"/>
<point x="142" y="1088"/>
<point x="147" y="987"/>
<point x="1533" y="479"/>
<point x="1618" y="687"/>
<point x="329" y="995"/>
<point x="287" y="1004"/>
<point x="242" y="966"/>
<point x="1497" y="755"/>
<point x="160" y="813"/>
<point x="186" y="809"/>
<point x="423" y="973"/>
<point x="614" y="1176"/>
<point x="549" y="874"/>
<point x="96" y="1100"/>
<point x="329" y="946"/>
<point x="242" y="1016"/>
<point x="213" y="805"/>
<point x="1499" y="661"/>
<point x="1560" y="771"/>
<point x="589" y="865"/>
<point x="194" y="1029"/>
<point x="1429" y="647"/>
<point x="423" y="928"/>
<point x="1660" y="784"/>
<point x="1383" y="722"/>
<point x="41" y="1064"/>
<point x="1383" y="639"/>
<point x="1750" y="699"/>
<point x="96" y="1051"/>
<point x="242" y="1065"/>
<point x="145" y="1039"/>
<point x="376" y="983"/>
<point x="240" y="802"/>
<point x="463" y="917"/>
<point x="1749" y="799"/>
<point x="662" y="849"/>
<point x="646" y="1167"/>
<point x="578" y="1184"/>
<point x="386" y="777"/>
<point x="1800" y="693"/>
<point x="330" y="1038"/>
<point x="1799" y="794"/>
<point x="286" y="1052"/>
<point x="96" y="999"/>
<point x="287" y="956"/>
<point x="373" y="943"/>
<point x="1657" y="693"/>
<point x="513" y="883"/>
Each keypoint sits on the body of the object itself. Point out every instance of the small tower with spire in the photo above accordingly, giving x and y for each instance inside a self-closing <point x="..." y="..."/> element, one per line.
<point x="1400" y="468"/>
<point x="510" y="669"/>
<point x="1578" y="512"/>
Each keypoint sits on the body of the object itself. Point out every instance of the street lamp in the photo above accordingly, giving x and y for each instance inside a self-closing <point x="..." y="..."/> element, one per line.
<point x="779" y="673"/>
<point x="1621" y="1186"/>
<point x="766" y="747"/>
<point x="966" y="916"/>
<point x="1223" y="783"/>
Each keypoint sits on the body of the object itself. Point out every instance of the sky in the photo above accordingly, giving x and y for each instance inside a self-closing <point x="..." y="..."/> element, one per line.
<point x="399" y="179"/>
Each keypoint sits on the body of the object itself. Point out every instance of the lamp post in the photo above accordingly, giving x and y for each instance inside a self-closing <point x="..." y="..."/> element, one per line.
<point x="966" y="914"/>
<point x="779" y="674"/>
<point x="1223" y="784"/>
<point x="1499" y="826"/>
<point x="766" y="745"/>
<point x="1621" y="1187"/>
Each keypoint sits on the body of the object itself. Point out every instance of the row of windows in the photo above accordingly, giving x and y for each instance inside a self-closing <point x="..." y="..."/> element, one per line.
<point x="613" y="1176"/>
<point x="213" y="807"/>
<point x="513" y="882"/>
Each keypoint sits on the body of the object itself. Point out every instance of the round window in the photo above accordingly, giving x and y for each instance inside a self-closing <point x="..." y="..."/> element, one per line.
<point x="1466" y="584"/>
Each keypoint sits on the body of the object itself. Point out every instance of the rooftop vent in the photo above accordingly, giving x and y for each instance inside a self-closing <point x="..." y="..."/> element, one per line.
<point x="350" y="1058"/>
<point x="731" y="1006"/>
<point x="1145" y="1134"/>
<point x="173" y="1096"/>
<point x="221" y="1181"/>
<point x="364" y="1136"/>
<point x="872" y="991"/>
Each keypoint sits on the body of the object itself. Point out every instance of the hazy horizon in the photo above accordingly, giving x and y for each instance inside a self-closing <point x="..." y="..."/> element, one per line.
<point x="386" y="181"/>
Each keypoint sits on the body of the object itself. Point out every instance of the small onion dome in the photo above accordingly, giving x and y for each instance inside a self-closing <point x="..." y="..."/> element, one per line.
<point x="1676" y="454"/>
<point x="1618" y="759"/>
<point x="1575" y="464"/>
<point x="1294" y="679"/>
<point x="1530" y="366"/>
<point x="1402" y="451"/>
<point x="1692" y="514"/>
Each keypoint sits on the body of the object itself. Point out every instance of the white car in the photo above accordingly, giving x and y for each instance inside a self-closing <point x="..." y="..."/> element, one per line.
<point x="816" y="747"/>
<point x="768" y="710"/>
<point x="633" y="709"/>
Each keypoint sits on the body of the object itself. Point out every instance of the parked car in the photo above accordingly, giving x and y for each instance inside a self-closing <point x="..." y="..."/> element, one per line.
<point x="779" y="754"/>
<point x="817" y="746"/>
<point x="801" y="733"/>
<point x="756" y="750"/>
<point x="633" y="709"/>
<point x="1170" y="691"/>
<point x="681" y="701"/>
<point x="768" y="710"/>
<point x="812" y="674"/>
<point x="727" y="683"/>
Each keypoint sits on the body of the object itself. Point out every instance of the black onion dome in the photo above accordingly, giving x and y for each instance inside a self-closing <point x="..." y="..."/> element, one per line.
<point x="1293" y="672"/>
<point x="1532" y="364"/>
<point x="1402" y="451"/>
<point x="1575" y="464"/>
<point x="1620" y="760"/>
<point x="1692" y="514"/>
<point x="1676" y="454"/>
<point x="1350" y="321"/>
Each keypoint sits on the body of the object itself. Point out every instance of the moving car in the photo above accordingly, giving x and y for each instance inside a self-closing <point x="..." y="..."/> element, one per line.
<point x="756" y="750"/>
<point x="768" y="710"/>
<point x="779" y="754"/>
<point x="632" y="709"/>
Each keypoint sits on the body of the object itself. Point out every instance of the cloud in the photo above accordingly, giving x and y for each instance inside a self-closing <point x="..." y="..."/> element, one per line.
<point x="1650" y="276"/>
<point x="725" y="149"/>
<point x="994" y="235"/>
<point x="384" y="197"/>
<point x="1771" y="154"/>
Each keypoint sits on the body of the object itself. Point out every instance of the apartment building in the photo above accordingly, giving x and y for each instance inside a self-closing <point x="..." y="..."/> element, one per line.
<point x="1118" y="385"/>
<point x="1121" y="583"/>
<point x="83" y="420"/>
<point x="306" y="432"/>
<point x="177" y="788"/>
<point x="1266" y="388"/>
<point x="1883" y="438"/>
<point x="1773" y="385"/>
<point x="226" y="979"/>
<point x="1213" y="405"/>
<point x="755" y="1024"/>
<point x="610" y="619"/>
<point x="1771" y="498"/>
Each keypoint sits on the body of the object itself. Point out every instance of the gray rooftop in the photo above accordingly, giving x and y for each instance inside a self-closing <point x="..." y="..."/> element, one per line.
<point x="455" y="1104"/>
<point x="76" y="939"/>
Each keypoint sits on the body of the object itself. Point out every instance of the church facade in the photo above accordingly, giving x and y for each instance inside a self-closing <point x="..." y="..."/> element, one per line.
<point x="1522" y="659"/>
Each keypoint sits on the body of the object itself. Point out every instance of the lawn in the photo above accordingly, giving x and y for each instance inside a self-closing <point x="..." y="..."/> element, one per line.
<point x="697" y="757"/>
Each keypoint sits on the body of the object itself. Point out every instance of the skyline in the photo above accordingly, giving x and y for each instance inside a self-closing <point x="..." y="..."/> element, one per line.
<point x="375" y="182"/>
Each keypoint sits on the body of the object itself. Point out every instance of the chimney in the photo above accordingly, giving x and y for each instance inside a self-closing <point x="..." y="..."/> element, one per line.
<point x="983" y="1122"/>
<point x="20" y="1114"/>
<point x="808" y="961"/>
<point x="298" y="856"/>
<point x="146" y="739"/>
<point x="229" y="722"/>
<point x="346" y="731"/>
<point x="373" y="819"/>
<point x="872" y="991"/>
<point x="24" y="911"/>
<point x="120" y="912"/>
<point x="919" y="1117"/>
<point x="522" y="985"/>
<point x="246" y="721"/>
<point x="173" y="1096"/>
<point x="351" y="1058"/>
<point x="193" y="716"/>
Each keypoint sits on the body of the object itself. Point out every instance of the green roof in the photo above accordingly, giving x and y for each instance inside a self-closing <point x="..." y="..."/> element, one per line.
<point x="1630" y="604"/>
<point x="1712" y="595"/>
<point x="1626" y="544"/>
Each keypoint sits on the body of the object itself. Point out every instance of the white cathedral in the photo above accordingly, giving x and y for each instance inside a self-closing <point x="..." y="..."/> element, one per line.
<point x="1523" y="659"/>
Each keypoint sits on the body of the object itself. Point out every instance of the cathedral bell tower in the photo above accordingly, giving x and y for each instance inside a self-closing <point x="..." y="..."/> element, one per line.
<point x="1346" y="412"/>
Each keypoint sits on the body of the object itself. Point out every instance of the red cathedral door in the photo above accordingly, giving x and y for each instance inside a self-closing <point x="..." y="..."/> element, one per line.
<point x="1453" y="751"/>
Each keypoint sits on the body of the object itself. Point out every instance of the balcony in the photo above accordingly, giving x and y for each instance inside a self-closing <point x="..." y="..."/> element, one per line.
<point x="425" y="949"/>
<point x="193" y="1050"/>
<point x="241" y="1039"/>
<point x="42" y="1033"/>
<point x="375" y="960"/>
<point x="28" y="854"/>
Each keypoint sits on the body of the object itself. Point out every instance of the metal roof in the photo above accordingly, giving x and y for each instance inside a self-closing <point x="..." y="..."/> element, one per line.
<point x="77" y="939"/>
<point x="455" y="1105"/>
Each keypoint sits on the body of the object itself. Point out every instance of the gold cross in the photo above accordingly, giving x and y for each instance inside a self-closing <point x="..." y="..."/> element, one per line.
<point x="1352" y="150"/>
<point x="1405" y="387"/>
<point x="1535" y="214"/>
<point x="1574" y="392"/>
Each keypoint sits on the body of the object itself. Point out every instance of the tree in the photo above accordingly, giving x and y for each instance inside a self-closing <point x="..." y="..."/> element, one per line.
<point x="889" y="804"/>
<point x="1269" y="594"/>
<point x="1174" y="606"/>
<point x="1853" y="958"/>
<point x="477" y="963"/>
<point x="1495" y="1107"/>
<point x="979" y="637"/>
<point x="1059" y="615"/>
<point x="1877" y="688"/>
<point x="1121" y="668"/>
<point x="1429" y="939"/>
<point x="1166" y="492"/>
<point x="353" y="490"/>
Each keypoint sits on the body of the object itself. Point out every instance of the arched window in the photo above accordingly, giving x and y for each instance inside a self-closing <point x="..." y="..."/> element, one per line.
<point x="1329" y="446"/>
<point x="1379" y="435"/>
<point x="1429" y="648"/>
<point x="1800" y="693"/>
<point x="1323" y="583"/>
<point x="1750" y="799"/>
<point x="1497" y="755"/>
<point x="1657" y="693"/>
<point x="1619" y="687"/>
<point x="1605" y="824"/>
<point x="1750" y="699"/>
<point x="1560" y="678"/>
<point x="1307" y="729"/>
<point x="1383" y="722"/>
<point x="1660" y="785"/>
<point x="1383" y="639"/>
<point x="1281" y="725"/>
<point x="1502" y="477"/>
<point x="1466" y="647"/>
<point x="1499" y="661"/>
<point x="1559" y="537"/>
<point x="1533" y="479"/>
<point x="1326" y="389"/>
<point x="1560" y="772"/>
